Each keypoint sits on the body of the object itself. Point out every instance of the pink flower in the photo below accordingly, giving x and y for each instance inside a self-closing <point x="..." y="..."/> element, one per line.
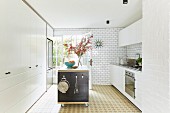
<point x="81" y="48"/>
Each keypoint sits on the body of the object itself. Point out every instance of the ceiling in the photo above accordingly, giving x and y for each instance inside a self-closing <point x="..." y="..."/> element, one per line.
<point x="88" y="13"/>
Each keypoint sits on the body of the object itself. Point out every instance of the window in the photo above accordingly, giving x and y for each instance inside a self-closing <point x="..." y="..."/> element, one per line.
<point x="62" y="54"/>
<point x="59" y="50"/>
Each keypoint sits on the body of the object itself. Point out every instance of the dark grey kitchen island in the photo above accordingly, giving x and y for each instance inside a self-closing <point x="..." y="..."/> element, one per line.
<point x="73" y="86"/>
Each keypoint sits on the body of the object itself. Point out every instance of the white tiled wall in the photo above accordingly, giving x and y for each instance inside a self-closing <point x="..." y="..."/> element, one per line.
<point x="102" y="57"/>
<point x="133" y="49"/>
<point x="156" y="57"/>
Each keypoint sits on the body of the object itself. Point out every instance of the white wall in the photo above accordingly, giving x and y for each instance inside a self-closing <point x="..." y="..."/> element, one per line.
<point x="22" y="45"/>
<point x="102" y="57"/>
<point x="156" y="56"/>
<point x="50" y="32"/>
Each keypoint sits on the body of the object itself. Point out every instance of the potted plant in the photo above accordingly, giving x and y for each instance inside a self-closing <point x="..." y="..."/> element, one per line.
<point x="139" y="61"/>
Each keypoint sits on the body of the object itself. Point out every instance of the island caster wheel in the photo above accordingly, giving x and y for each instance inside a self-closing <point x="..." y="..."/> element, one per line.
<point x="62" y="105"/>
<point x="86" y="104"/>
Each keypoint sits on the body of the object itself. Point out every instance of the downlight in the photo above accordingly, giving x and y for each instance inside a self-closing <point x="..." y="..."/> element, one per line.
<point x="125" y="1"/>
<point x="107" y="22"/>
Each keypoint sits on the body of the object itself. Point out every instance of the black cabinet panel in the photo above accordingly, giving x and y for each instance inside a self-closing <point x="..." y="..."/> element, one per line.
<point x="82" y="85"/>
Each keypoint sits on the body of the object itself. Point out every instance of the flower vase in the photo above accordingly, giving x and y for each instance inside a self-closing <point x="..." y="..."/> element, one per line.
<point x="79" y="61"/>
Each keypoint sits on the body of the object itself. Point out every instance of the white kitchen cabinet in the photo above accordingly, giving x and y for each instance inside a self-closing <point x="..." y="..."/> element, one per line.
<point x="112" y="81"/>
<point x="33" y="43"/>
<point x="39" y="44"/>
<point x="37" y="41"/>
<point x="10" y="39"/>
<point x="25" y="43"/>
<point x="131" y="34"/>
<point x="117" y="77"/>
<point x="22" y="45"/>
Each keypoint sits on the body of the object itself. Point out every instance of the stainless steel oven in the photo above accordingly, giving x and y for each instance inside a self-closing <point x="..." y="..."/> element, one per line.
<point x="130" y="83"/>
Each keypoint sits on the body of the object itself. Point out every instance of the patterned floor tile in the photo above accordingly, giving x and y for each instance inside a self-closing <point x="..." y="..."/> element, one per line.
<point x="103" y="99"/>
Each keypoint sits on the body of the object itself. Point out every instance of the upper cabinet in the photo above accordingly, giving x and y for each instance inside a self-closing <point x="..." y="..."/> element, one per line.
<point x="131" y="34"/>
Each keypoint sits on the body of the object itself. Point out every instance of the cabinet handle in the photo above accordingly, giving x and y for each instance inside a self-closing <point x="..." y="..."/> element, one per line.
<point x="29" y="67"/>
<point x="36" y="65"/>
<point x="8" y="73"/>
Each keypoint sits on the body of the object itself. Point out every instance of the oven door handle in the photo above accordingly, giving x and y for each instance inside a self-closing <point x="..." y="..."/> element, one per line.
<point x="130" y="77"/>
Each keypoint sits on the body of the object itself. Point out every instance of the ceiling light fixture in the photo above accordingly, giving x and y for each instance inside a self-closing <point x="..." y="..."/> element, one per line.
<point x="125" y="1"/>
<point x="107" y="21"/>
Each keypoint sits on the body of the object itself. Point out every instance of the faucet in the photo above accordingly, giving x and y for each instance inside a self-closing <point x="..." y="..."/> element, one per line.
<point x="138" y="55"/>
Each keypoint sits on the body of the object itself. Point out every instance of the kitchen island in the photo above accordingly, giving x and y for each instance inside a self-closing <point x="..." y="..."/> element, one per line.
<point x="73" y="86"/>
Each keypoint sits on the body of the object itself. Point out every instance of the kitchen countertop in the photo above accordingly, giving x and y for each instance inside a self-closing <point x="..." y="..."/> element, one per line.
<point x="79" y="69"/>
<point x="126" y="67"/>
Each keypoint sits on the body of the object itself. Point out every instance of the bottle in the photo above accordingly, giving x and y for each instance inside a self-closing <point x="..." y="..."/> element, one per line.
<point x="121" y="61"/>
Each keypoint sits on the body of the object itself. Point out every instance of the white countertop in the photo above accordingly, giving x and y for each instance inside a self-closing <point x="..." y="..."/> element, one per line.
<point x="127" y="68"/>
<point x="79" y="69"/>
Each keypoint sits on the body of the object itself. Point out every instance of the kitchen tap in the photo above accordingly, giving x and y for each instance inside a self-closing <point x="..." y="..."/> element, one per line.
<point x="138" y="55"/>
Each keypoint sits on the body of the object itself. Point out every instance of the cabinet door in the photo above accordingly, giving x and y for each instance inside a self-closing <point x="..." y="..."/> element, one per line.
<point x="26" y="42"/>
<point x="131" y="34"/>
<point x="3" y="38"/>
<point x="136" y="32"/>
<point x="10" y="40"/>
<point x="112" y="75"/>
<point x="139" y="31"/>
<point x="123" y="40"/>
<point x="39" y="42"/>
<point x="33" y="43"/>
<point x="118" y="77"/>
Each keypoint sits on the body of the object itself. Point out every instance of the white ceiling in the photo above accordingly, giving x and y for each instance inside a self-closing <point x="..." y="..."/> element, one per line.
<point x="88" y="13"/>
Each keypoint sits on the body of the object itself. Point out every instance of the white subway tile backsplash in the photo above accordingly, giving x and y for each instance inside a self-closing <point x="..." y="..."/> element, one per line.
<point x="133" y="49"/>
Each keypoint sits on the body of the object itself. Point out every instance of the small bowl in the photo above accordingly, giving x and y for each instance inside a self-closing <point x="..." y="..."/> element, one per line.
<point x="69" y="64"/>
<point x="75" y="67"/>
